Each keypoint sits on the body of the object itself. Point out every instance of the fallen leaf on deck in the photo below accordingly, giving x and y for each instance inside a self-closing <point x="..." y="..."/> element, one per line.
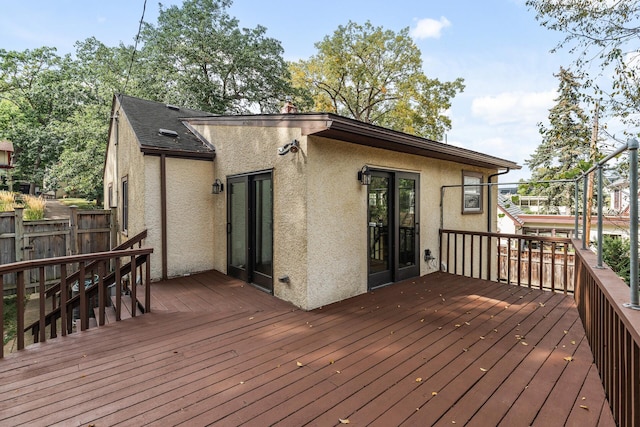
<point x="573" y="342"/>
<point x="523" y="343"/>
<point x="344" y="421"/>
<point x="299" y="364"/>
<point x="541" y="304"/>
<point x="457" y="325"/>
<point x="483" y="370"/>
<point x="250" y="318"/>
<point x="434" y="393"/>
<point x="418" y="379"/>
<point x="568" y="358"/>
<point x="481" y="338"/>
<point x="467" y="323"/>
<point x="584" y="407"/>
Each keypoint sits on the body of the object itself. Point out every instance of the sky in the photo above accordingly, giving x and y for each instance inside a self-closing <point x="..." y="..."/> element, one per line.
<point x="496" y="46"/>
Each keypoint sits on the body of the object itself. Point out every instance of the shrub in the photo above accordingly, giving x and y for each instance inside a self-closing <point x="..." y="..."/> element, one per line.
<point x="34" y="207"/>
<point x="7" y="201"/>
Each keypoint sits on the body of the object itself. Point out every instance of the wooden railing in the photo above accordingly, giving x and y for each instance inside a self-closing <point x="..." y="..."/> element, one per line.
<point x="107" y="267"/>
<point x="613" y="332"/>
<point x="533" y="261"/>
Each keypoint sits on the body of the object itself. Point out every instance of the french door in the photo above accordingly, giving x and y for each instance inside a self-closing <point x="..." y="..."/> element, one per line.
<point x="393" y="211"/>
<point x="250" y="229"/>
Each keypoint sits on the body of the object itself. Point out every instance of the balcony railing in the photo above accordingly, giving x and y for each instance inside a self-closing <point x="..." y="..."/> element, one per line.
<point x="97" y="271"/>
<point x="532" y="261"/>
<point x="612" y="329"/>
<point x="613" y="332"/>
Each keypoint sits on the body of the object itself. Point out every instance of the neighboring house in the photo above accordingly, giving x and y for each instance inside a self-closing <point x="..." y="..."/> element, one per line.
<point x="312" y="207"/>
<point x="6" y="164"/>
<point x="512" y="220"/>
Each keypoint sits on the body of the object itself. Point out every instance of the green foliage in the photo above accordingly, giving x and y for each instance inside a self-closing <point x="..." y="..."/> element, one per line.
<point x="82" y="204"/>
<point x="375" y="76"/>
<point x="616" y="254"/>
<point x="564" y="152"/>
<point x="198" y="57"/>
<point x="10" y="318"/>
<point x="603" y="36"/>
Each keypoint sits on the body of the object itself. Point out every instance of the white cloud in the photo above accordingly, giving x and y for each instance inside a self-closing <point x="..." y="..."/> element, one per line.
<point x="513" y="107"/>
<point x="429" y="28"/>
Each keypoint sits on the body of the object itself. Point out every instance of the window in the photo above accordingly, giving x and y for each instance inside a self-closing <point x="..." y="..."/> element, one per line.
<point x="471" y="192"/>
<point x="110" y="196"/>
<point x="125" y="204"/>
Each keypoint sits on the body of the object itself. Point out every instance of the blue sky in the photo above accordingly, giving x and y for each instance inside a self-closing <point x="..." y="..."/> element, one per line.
<point x="496" y="46"/>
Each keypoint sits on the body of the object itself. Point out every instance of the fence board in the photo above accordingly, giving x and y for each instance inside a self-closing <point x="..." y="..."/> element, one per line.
<point x="83" y="233"/>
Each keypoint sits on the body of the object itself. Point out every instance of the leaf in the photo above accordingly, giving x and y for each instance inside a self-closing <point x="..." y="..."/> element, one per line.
<point x="346" y="421"/>
<point x="523" y="343"/>
<point x="419" y="379"/>
<point x="483" y="369"/>
<point x="584" y="407"/>
<point x="568" y="358"/>
<point x="434" y="393"/>
<point x="299" y="364"/>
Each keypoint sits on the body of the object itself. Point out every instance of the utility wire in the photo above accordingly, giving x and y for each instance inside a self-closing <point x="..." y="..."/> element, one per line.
<point x="135" y="47"/>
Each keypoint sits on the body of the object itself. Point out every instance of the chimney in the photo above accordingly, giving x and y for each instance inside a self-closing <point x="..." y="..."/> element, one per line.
<point x="288" y="107"/>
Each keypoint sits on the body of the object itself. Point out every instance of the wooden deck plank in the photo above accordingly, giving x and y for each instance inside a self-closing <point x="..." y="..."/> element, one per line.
<point x="231" y="359"/>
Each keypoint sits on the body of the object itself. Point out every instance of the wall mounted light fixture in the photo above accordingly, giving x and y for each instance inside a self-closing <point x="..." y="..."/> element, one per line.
<point x="292" y="147"/>
<point x="364" y="175"/>
<point x="217" y="187"/>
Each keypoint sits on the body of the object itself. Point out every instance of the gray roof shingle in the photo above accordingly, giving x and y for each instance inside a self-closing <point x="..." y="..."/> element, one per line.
<point x="149" y="121"/>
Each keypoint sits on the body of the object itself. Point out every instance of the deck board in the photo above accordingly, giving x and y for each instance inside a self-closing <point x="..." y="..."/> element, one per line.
<point x="215" y="351"/>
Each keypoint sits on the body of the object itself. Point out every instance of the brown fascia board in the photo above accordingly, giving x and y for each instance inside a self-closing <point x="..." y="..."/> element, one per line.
<point x="340" y="128"/>
<point x="182" y="154"/>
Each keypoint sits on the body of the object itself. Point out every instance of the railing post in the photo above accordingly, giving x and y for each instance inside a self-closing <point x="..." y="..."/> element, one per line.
<point x="577" y="212"/>
<point x="585" y="214"/>
<point x="633" y="223"/>
<point x="19" y="233"/>
<point x="2" y="314"/>
<point x="600" y="203"/>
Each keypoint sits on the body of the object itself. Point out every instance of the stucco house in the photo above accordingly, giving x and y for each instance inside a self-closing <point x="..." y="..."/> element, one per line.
<point x="6" y="164"/>
<point x="312" y="207"/>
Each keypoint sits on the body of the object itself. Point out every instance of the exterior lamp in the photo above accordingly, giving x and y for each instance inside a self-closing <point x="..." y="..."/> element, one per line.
<point x="217" y="187"/>
<point x="364" y="175"/>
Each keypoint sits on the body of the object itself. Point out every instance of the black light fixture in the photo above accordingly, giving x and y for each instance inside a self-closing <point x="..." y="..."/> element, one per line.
<point x="364" y="175"/>
<point x="291" y="147"/>
<point x="217" y="187"/>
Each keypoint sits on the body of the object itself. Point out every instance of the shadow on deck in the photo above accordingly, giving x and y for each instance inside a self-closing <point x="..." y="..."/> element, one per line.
<point x="438" y="350"/>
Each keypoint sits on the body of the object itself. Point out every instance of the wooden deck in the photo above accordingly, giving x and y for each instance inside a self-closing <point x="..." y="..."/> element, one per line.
<point x="439" y="350"/>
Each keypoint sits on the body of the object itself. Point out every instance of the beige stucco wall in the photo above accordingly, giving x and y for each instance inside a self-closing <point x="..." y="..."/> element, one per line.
<point x="320" y="209"/>
<point x="189" y="199"/>
<point x="246" y="149"/>
<point x="337" y="213"/>
<point x="190" y="216"/>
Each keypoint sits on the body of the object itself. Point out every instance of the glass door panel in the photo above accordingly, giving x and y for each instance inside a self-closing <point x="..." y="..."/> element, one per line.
<point x="407" y="211"/>
<point x="237" y="243"/>
<point x="263" y="232"/>
<point x="379" y="229"/>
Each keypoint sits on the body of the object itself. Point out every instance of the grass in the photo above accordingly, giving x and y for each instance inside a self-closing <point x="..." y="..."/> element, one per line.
<point x="34" y="207"/>
<point x="82" y="204"/>
<point x="7" y="201"/>
<point x="10" y="318"/>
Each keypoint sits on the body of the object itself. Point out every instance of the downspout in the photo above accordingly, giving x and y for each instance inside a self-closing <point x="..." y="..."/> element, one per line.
<point x="489" y="197"/>
<point x="163" y="213"/>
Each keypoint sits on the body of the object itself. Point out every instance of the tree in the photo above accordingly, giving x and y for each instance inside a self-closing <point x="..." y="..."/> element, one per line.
<point x="616" y="254"/>
<point x="198" y="57"/>
<point x="604" y="35"/>
<point x="564" y="152"/>
<point x="40" y="85"/>
<point x="375" y="76"/>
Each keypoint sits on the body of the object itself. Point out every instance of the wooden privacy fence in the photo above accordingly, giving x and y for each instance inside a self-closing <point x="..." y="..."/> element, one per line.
<point x="86" y="231"/>
<point x="533" y="261"/>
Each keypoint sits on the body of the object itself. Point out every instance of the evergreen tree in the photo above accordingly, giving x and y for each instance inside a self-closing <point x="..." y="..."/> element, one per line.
<point x="564" y="152"/>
